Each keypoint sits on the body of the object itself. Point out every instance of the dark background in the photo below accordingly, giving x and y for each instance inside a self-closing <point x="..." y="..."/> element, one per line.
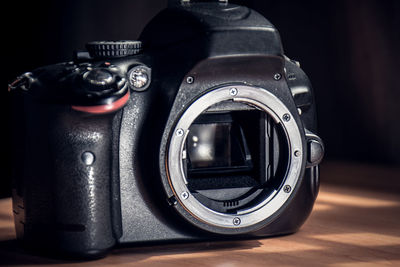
<point x="349" y="49"/>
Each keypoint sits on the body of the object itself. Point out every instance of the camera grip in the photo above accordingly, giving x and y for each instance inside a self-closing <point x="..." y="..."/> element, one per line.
<point x="65" y="196"/>
<point x="83" y="153"/>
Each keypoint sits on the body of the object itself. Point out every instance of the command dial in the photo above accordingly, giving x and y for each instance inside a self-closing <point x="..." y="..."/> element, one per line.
<point x="113" y="49"/>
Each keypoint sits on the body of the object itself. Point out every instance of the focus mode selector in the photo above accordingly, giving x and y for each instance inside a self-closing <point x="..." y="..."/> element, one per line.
<point x="98" y="77"/>
<point x="113" y="49"/>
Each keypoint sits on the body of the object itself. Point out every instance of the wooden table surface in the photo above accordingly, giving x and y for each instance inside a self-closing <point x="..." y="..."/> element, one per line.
<point x="355" y="222"/>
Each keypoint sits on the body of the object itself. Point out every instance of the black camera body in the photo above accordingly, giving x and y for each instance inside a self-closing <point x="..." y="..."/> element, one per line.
<point x="202" y="130"/>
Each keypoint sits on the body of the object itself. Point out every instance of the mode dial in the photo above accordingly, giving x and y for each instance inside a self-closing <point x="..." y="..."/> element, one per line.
<point x="113" y="49"/>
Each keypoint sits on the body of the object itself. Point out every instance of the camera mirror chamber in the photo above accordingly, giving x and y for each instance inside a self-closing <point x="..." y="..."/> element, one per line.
<point x="234" y="156"/>
<point x="231" y="156"/>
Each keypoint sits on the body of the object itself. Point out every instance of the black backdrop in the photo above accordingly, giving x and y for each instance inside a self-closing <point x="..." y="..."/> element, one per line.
<point x="349" y="49"/>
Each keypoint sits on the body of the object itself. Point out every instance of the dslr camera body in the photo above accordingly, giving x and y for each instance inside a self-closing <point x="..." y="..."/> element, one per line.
<point x="202" y="130"/>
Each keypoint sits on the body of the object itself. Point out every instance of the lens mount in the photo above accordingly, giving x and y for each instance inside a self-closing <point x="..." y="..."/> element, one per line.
<point x="247" y="217"/>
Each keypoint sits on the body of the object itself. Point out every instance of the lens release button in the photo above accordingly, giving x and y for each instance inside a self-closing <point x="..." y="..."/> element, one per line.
<point x="315" y="152"/>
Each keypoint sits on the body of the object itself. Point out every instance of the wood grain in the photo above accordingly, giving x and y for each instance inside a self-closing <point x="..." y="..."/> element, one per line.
<point x="349" y="226"/>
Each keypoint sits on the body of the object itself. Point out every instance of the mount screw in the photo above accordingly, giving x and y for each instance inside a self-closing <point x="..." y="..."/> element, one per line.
<point x="236" y="221"/>
<point x="277" y="76"/>
<point x="286" y="117"/>
<point x="287" y="188"/>
<point x="185" y="195"/>
<point x="179" y="132"/>
<point x="190" y="79"/>
<point x="233" y="91"/>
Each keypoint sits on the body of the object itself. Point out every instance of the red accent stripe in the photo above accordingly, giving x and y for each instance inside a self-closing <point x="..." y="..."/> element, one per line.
<point x="101" y="109"/>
